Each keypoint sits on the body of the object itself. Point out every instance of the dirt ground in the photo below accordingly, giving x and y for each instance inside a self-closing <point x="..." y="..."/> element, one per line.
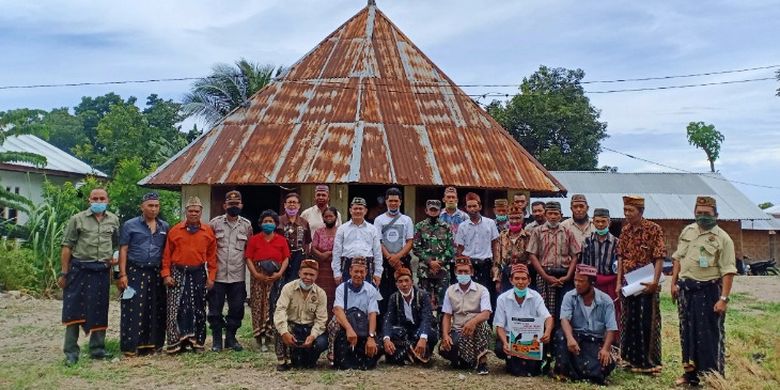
<point x="31" y="357"/>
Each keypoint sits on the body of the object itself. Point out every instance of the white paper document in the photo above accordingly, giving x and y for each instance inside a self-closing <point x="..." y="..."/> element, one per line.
<point x="635" y="278"/>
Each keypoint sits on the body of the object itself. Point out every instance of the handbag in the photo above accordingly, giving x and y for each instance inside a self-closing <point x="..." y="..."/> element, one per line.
<point x="357" y="318"/>
<point x="268" y="267"/>
<point x="557" y="272"/>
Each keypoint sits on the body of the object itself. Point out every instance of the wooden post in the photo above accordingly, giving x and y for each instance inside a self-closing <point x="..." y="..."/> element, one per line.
<point x="339" y="198"/>
<point x="307" y="196"/>
<point x="410" y="202"/>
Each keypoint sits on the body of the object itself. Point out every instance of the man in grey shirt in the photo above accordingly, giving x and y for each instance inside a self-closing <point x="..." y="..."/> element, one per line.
<point x="232" y="232"/>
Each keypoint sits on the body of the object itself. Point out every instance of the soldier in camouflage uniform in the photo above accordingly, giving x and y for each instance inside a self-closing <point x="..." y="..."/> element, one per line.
<point x="433" y="246"/>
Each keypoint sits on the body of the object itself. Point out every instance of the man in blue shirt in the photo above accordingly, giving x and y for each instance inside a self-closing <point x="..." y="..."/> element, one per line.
<point x="141" y="244"/>
<point x="587" y="331"/>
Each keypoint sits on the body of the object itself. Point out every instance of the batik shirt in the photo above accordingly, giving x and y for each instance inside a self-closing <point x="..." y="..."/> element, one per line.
<point x="511" y="250"/>
<point x="640" y="244"/>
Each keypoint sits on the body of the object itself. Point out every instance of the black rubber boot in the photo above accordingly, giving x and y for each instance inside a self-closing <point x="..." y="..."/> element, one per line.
<point x="231" y="342"/>
<point x="216" y="335"/>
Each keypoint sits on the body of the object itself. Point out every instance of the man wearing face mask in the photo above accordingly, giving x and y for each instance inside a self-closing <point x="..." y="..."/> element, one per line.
<point x="520" y="302"/>
<point x="600" y="252"/>
<point x="433" y="246"/>
<point x="232" y="232"/>
<point x="300" y="318"/>
<point x="452" y="215"/>
<point x="512" y="245"/>
<point x="397" y="231"/>
<point x="189" y="267"/>
<point x="88" y="244"/>
<point x="500" y="209"/>
<point x="410" y="333"/>
<point x="584" y="342"/>
<point x="465" y="330"/>
<point x="704" y="269"/>
<point x="296" y="230"/>
<point x="579" y="223"/>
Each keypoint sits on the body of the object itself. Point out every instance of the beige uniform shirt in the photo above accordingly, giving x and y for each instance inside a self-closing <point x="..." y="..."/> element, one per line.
<point x="293" y="307"/>
<point x="579" y="233"/>
<point x="705" y="254"/>
<point x="90" y="239"/>
<point x="232" y="238"/>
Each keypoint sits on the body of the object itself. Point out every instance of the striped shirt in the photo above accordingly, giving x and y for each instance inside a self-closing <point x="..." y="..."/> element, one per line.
<point x="554" y="247"/>
<point x="601" y="254"/>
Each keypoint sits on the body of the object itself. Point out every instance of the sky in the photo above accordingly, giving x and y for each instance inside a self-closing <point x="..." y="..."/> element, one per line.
<point x="474" y="42"/>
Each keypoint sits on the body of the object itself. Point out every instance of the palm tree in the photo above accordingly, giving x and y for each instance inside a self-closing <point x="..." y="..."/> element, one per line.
<point x="227" y="88"/>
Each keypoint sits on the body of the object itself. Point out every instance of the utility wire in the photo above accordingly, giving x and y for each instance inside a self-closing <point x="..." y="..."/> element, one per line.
<point x="717" y="177"/>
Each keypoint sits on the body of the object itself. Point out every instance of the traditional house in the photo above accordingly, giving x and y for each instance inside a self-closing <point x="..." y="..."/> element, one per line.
<point x="362" y="111"/>
<point x="669" y="201"/>
<point x="27" y="180"/>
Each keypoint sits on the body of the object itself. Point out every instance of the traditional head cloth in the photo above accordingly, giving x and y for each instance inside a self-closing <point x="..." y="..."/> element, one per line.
<point x="193" y="201"/>
<point x="587" y="270"/>
<point x="233" y="197"/>
<point x="706" y="201"/>
<point x="358" y="201"/>
<point x="451" y="190"/>
<point x="634" y="200"/>
<point x="517" y="267"/>
<point x="433" y="204"/>
<point x="514" y="210"/>
<point x="500" y="202"/>
<point x="601" y="213"/>
<point x="403" y="271"/>
<point x="463" y="260"/>
<point x="579" y="198"/>
<point x="556" y="206"/>
<point x="359" y="261"/>
<point x="150" y="196"/>
<point x="321" y="188"/>
<point x="310" y="263"/>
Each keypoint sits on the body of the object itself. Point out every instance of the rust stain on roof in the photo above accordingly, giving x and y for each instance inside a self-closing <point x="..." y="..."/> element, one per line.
<point x="364" y="106"/>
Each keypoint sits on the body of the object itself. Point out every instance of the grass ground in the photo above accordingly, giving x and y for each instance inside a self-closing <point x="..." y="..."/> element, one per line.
<point x="30" y="357"/>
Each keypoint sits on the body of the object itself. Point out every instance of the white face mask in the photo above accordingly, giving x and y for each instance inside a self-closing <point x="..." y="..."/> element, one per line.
<point x="305" y="286"/>
<point x="406" y="295"/>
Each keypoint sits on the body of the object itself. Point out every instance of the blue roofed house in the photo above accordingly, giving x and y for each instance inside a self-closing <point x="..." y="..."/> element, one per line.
<point x="670" y="200"/>
<point x="27" y="180"/>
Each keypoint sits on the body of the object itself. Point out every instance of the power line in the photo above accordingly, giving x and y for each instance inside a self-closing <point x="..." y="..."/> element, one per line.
<point x="683" y="86"/>
<point x="687" y="171"/>
<point x="91" y="83"/>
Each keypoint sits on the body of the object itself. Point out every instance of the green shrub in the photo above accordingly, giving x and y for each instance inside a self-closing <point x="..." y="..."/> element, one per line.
<point x="17" y="269"/>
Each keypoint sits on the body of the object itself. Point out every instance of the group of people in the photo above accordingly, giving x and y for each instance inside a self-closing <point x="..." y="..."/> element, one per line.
<point x="353" y="289"/>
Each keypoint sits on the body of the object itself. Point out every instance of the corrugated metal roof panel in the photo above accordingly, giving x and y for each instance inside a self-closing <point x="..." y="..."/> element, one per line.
<point x="667" y="195"/>
<point x="758" y="224"/>
<point x="364" y="106"/>
<point x="56" y="159"/>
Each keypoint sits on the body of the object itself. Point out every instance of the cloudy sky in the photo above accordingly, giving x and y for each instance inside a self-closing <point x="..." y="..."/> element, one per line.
<point x="474" y="42"/>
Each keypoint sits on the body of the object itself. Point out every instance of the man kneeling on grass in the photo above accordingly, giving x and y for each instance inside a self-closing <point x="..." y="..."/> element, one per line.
<point x="588" y="327"/>
<point x="300" y="317"/>
<point x="409" y="331"/>
<point x="465" y="331"/>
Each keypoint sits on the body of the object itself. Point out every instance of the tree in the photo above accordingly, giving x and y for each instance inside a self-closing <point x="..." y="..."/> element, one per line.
<point x="706" y="138"/>
<point x="15" y="123"/>
<point x="765" y="205"/>
<point x="778" y="79"/>
<point x="126" y="195"/>
<point x="227" y="88"/>
<point x="554" y="120"/>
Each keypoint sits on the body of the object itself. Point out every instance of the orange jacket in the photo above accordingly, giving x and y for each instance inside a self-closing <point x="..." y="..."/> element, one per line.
<point x="190" y="249"/>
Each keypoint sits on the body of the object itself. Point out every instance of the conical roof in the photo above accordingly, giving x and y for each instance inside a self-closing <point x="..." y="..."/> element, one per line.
<point x="364" y="106"/>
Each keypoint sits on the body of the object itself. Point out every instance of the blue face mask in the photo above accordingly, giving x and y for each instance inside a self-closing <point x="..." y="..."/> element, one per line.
<point x="502" y="218"/>
<point x="463" y="279"/>
<point x="521" y="293"/>
<point x="304" y="286"/>
<point x="268" y="228"/>
<point x="98" y="208"/>
<point x="192" y="229"/>
<point x="393" y="212"/>
<point x="602" y="232"/>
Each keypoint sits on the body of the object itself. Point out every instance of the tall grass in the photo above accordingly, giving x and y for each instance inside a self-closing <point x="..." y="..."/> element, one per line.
<point x="46" y="226"/>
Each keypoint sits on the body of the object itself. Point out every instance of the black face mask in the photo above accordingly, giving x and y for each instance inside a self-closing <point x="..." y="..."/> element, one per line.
<point x="233" y="211"/>
<point x="433" y="219"/>
<point x="330" y="224"/>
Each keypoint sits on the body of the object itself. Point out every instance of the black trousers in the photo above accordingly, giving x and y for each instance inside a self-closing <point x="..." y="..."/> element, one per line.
<point x="235" y="294"/>
<point x="387" y="287"/>
<point x="483" y="276"/>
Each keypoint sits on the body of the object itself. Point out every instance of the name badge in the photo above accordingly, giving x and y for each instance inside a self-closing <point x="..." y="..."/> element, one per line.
<point x="703" y="262"/>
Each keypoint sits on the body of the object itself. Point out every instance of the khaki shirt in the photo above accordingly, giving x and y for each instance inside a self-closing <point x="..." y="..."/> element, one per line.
<point x="231" y="243"/>
<point x="293" y="307"/>
<point x="580" y="233"/>
<point x="313" y="216"/>
<point x="90" y="240"/>
<point x="714" y="245"/>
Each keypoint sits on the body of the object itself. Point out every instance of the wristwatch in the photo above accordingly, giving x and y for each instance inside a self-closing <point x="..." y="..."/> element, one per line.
<point x="372" y="335"/>
<point x="724" y="298"/>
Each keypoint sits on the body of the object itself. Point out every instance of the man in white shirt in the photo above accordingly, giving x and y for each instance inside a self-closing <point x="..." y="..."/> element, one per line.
<point x="397" y="231"/>
<point x="357" y="238"/>
<point x="313" y="214"/>
<point x="477" y="239"/>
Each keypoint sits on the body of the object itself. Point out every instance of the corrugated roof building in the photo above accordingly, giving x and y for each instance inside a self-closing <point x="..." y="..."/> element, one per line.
<point x="364" y="107"/>
<point x="670" y="199"/>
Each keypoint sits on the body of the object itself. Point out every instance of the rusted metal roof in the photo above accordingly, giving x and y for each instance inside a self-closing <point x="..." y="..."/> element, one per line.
<point x="364" y="106"/>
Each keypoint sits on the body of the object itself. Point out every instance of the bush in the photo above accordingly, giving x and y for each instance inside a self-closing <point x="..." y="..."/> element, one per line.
<point x="17" y="269"/>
